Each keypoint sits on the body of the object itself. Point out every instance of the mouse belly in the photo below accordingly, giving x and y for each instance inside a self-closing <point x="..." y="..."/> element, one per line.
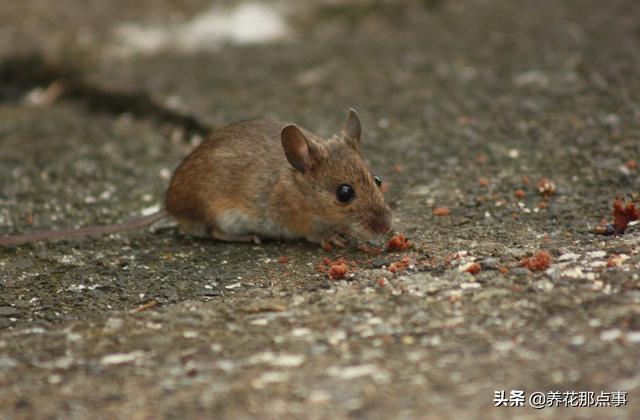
<point x="236" y="225"/>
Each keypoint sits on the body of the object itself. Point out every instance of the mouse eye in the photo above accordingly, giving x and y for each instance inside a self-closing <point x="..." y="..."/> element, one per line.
<point x="345" y="193"/>
<point x="378" y="180"/>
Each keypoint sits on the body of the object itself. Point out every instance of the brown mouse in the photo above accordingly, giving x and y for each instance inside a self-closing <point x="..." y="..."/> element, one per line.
<point x="264" y="179"/>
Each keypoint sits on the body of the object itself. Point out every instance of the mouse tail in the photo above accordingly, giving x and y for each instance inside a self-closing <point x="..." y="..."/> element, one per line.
<point x="81" y="232"/>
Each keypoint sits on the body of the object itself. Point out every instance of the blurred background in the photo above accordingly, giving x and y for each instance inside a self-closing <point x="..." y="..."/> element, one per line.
<point x="471" y="111"/>
<point x="447" y="79"/>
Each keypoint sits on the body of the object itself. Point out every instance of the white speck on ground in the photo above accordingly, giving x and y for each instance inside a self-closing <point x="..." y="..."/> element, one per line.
<point x="120" y="358"/>
<point x="282" y="360"/>
<point x="353" y="372"/>
<point x="148" y="211"/>
<point x="610" y="335"/>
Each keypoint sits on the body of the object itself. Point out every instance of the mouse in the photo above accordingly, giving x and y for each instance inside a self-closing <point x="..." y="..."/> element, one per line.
<point x="263" y="179"/>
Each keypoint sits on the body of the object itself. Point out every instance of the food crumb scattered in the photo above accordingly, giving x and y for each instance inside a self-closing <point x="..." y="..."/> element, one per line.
<point x="396" y="266"/>
<point x="397" y="168"/>
<point x="539" y="262"/>
<point x="338" y="270"/>
<point x="283" y="259"/>
<point x="398" y="243"/>
<point x="520" y="193"/>
<point x="622" y="216"/>
<point x="441" y="211"/>
<point x="546" y="188"/>
<point x="616" y="260"/>
<point x="631" y="164"/>
<point x="503" y="269"/>
<point x="604" y="229"/>
<point x="483" y="181"/>
<point x="472" y="267"/>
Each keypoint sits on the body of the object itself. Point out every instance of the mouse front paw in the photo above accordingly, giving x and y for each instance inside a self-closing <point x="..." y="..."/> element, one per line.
<point x="337" y="241"/>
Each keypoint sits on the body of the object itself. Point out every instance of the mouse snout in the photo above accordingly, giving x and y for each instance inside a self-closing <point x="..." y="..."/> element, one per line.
<point x="379" y="221"/>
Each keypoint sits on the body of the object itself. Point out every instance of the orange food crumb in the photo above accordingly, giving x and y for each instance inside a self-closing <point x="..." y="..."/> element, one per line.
<point x="397" y="168"/>
<point x="526" y="180"/>
<point x="547" y="188"/>
<point x="622" y="215"/>
<point x="612" y="261"/>
<point x="283" y="259"/>
<point x="338" y="270"/>
<point x="503" y="269"/>
<point x="631" y="164"/>
<point x="384" y="187"/>
<point x="399" y="265"/>
<point x="616" y="260"/>
<point x="441" y="211"/>
<point x="398" y="243"/>
<point x="542" y="205"/>
<point x="483" y="181"/>
<point x="481" y="159"/>
<point x="473" y="268"/>
<point x="539" y="262"/>
<point x="520" y="193"/>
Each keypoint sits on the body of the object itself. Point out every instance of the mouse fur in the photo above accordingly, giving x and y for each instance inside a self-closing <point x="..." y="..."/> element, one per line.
<point x="264" y="179"/>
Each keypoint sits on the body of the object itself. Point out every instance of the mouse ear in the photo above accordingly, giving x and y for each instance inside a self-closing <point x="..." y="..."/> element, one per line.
<point x="298" y="149"/>
<point x="352" y="130"/>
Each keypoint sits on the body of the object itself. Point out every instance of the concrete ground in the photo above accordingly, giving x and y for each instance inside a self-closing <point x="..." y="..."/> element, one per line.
<point x="466" y="104"/>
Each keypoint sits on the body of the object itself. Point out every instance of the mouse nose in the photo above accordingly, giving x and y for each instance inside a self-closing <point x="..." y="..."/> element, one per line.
<point x="379" y="221"/>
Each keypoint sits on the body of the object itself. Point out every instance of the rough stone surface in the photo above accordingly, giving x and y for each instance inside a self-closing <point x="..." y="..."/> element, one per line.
<point x="463" y="103"/>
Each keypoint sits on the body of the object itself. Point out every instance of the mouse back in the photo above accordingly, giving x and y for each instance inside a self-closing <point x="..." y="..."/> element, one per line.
<point x="270" y="179"/>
